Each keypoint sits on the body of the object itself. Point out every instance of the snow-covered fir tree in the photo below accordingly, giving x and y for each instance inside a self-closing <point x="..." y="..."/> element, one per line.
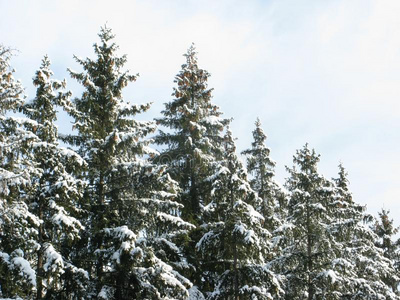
<point x="363" y="269"/>
<point x="131" y="219"/>
<point x="329" y="250"/>
<point x="308" y="247"/>
<point x="11" y="90"/>
<point x="18" y="227"/>
<point x="193" y="143"/>
<point x="261" y="167"/>
<point x="12" y="136"/>
<point x="54" y="193"/>
<point x="235" y="245"/>
<point x="386" y="232"/>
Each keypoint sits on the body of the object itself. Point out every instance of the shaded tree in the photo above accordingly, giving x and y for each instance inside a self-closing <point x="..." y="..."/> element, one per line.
<point x="122" y="184"/>
<point x="235" y="245"/>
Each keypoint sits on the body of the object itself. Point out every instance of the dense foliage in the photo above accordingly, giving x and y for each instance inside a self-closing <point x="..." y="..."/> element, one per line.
<point x="100" y="214"/>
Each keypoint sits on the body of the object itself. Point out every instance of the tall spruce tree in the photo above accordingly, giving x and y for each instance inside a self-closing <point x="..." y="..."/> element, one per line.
<point x="53" y="193"/>
<point x="308" y="245"/>
<point x="127" y="196"/>
<point x="386" y="232"/>
<point x="11" y="90"/>
<point x="235" y="245"/>
<point x="361" y="265"/>
<point x="193" y="143"/>
<point x="261" y="167"/>
<point x="18" y="227"/>
<point x="329" y="250"/>
<point x="13" y="138"/>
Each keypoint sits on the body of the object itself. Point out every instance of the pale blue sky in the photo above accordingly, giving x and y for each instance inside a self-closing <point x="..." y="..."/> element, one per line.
<point x="322" y="72"/>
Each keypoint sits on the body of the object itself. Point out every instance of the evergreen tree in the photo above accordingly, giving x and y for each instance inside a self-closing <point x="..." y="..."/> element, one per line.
<point x="308" y="245"/>
<point x="362" y="266"/>
<point x="53" y="193"/>
<point x="386" y="231"/>
<point x="194" y="142"/>
<point x="18" y="227"/>
<point x="13" y="138"/>
<point x="11" y="91"/>
<point x="261" y="167"/>
<point x="127" y="196"/>
<point x="235" y="244"/>
<point x="193" y="147"/>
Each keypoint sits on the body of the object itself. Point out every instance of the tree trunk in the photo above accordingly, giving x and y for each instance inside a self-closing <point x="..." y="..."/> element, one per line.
<point x="101" y="189"/>
<point x="40" y="271"/>
<point x="236" y="279"/>
<point x="309" y="254"/>
<point x="119" y="286"/>
<point x="99" y="225"/>
<point x="235" y="259"/>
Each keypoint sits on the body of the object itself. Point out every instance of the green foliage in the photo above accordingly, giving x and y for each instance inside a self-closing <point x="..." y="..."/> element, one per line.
<point x="386" y="231"/>
<point x="308" y="246"/>
<point x="54" y="190"/>
<point x="195" y="140"/>
<point x="261" y="167"/>
<point x="18" y="227"/>
<point x="125" y="190"/>
<point x="235" y="244"/>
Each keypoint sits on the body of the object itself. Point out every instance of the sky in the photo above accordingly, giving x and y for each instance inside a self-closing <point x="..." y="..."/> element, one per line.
<point x="325" y="73"/>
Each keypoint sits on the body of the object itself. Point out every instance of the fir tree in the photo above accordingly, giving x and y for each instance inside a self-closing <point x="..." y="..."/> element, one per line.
<point x="126" y="196"/>
<point x="235" y="244"/>
<point x="308" y="245"/>
<point x="261" y="167"/>
<point x="54" y="192"/>
<point x="13" y="138"/>
<point x="194" y="142"/>
<point x="11" y="91"/>
<point x="18" y="227"/>
<point x="385" y="230"/>
<point x="193" y="146"/>
<point x="362" y="267"/>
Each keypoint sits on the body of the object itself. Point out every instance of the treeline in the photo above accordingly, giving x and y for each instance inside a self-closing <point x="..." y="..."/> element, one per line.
<point x="110" y="217"/>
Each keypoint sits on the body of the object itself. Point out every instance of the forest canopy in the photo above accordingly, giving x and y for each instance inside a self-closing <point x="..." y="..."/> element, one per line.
<point x="120" y="208"/>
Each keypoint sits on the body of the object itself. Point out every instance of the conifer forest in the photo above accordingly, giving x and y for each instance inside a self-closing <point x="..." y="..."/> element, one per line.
<point x="115" y="207"/>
